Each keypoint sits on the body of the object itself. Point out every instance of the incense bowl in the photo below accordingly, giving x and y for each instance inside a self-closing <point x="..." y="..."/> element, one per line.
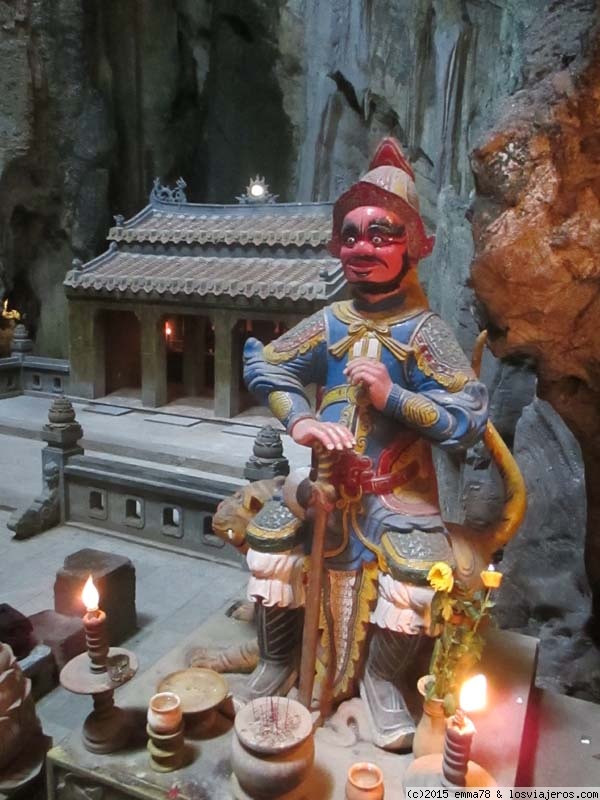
<point x="272" y="749"/>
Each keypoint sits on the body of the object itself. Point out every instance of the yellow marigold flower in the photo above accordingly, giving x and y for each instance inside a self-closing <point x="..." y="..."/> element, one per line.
<point x="440" y="577"/>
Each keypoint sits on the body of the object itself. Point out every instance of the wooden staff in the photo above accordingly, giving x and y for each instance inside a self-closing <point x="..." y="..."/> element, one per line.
<point x="321" y="500"/>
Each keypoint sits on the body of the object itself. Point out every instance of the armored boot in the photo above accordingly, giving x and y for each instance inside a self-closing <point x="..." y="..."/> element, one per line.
<point x="387" y="683"/>
<point x="278" y="631"/>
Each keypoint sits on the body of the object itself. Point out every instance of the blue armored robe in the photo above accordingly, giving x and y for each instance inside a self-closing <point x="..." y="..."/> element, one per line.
<point x="389" y="508"/>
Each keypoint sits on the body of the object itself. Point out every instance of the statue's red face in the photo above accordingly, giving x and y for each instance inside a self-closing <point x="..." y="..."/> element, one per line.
<point x="374" y="247"/>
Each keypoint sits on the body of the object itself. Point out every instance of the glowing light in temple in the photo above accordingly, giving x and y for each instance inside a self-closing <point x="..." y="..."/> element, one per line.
<point x="14" y="314"/>
<point x="257" y="190"/>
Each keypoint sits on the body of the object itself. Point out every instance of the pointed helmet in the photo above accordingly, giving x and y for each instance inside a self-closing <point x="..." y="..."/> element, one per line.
<point x="389" y="183"/>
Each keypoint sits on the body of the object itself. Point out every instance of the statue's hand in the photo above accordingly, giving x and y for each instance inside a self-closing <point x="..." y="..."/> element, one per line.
<point x="374" y="377"/>
<point x="331" y="435"/>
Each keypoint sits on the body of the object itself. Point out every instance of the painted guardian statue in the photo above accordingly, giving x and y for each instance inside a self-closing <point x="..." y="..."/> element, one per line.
<point x="392" y="382"/>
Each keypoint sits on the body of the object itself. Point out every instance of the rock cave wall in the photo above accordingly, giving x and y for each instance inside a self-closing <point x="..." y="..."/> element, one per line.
<point x="99" y="98"/>
<point x="537" y="232"/>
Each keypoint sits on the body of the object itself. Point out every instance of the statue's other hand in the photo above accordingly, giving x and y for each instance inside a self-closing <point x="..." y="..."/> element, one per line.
<point x="330" y="435"/>
<point x="374" y="377"/>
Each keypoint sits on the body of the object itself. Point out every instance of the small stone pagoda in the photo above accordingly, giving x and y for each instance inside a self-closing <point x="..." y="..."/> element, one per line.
<point x="165" y="311"/>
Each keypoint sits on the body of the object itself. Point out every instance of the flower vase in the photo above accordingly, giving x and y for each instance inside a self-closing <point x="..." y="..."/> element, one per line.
<point x="431" y="730"/>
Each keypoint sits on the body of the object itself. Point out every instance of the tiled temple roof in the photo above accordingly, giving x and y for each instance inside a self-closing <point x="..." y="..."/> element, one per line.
<point x="176" y="249"/>
<point x="281" y="278"/>
<point x="227" y="225"/>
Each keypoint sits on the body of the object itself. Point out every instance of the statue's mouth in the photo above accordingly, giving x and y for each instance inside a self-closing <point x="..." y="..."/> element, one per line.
<point x="361" y="268"/>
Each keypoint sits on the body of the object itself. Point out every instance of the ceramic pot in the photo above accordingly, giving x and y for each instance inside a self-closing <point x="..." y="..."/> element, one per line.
<point x="431" y="730"/>
<point x="365" y="782"/>
<point x="272" y="750"/>
<point x="164" y="712"/>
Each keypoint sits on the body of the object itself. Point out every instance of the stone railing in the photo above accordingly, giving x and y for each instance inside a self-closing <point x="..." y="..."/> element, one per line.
<point x="23" y="372"/>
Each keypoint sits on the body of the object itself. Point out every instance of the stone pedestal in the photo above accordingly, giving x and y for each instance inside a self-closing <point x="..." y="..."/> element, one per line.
<point x="62" y="434"/>
<point x="114" y="577"/>
<point x="267" y="459"/>
<point x="21" y="343"/>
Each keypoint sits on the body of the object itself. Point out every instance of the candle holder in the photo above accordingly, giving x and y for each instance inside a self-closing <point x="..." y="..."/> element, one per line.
<point x="453" y="769"/>
<point x="105" y="729"/>
<point x="98" y="672"/>
<point x="428" y="771"/>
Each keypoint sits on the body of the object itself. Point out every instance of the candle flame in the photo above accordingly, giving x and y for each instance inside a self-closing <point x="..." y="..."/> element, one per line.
<point x="473" y="694"/>
<point x="90" y="595"/>
<point x="491" y="568"/>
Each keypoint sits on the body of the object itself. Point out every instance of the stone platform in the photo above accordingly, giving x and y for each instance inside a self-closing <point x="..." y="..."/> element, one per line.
<point x="74" y="772"/>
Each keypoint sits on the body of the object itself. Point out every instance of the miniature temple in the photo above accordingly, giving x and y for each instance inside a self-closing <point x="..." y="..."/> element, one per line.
<point x="167" y="308"/>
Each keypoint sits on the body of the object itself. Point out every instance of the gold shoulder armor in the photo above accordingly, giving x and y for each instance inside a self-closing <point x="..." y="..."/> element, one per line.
<point x="299" y="340"/>
<point x="439" y="356"/>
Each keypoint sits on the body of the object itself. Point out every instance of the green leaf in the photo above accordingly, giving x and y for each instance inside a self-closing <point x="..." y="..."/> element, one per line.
<point x="436" y="606"/>
<point x="449" y="704"/>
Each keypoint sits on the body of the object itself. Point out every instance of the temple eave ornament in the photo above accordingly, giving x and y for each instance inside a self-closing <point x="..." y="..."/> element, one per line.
<point x="165" y="194"/>
<point x="257" y="192"/>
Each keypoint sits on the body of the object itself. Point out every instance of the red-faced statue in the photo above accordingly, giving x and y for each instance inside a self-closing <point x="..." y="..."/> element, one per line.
<point x="374" y="249"/>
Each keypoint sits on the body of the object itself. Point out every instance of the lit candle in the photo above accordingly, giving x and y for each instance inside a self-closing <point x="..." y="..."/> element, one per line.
<point x="94" y="622"/>
<point x="491" y="578"/>
<point x="460" y="731"/>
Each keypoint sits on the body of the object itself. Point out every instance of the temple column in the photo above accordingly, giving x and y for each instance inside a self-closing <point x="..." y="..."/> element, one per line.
<point x="227" y="365"/>
<point x="194" y="355"/>
<point x="154" y="357"/>
<point x="86" y="351"/>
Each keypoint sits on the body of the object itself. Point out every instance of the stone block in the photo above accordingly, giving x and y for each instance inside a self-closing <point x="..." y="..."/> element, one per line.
<point x="16" y="630"/>
<point x="114" y="577"/>
<point x="63" y="634"/>
<point x="40" y="667"/>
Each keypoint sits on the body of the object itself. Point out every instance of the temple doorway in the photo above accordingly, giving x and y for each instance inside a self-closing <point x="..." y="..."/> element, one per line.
<point x="189" y="341"/>
<point x="122" y="349"/>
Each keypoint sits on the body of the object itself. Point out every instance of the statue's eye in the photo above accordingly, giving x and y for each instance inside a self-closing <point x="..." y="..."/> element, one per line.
<point x="377" y="240"/>
<point x="350" y="241"/>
